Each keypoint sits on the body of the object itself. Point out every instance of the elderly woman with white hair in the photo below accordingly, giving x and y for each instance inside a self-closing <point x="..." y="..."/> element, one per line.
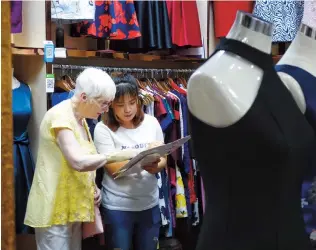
<point x="63" y="192"/>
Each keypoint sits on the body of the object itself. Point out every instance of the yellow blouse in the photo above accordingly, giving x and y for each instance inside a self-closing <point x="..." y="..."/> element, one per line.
<point x="59" y="194"/>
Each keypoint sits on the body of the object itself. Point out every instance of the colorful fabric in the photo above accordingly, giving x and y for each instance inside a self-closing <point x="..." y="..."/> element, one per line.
<point x="114" y="20"/>
<point x="181" y="204"/>
<point x="286" y="17"/>
<point x="309" y="17"/>
<point x="16" y="16"/>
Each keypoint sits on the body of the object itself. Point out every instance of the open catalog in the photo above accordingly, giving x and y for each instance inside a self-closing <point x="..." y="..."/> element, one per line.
<point x="141" y="159"/>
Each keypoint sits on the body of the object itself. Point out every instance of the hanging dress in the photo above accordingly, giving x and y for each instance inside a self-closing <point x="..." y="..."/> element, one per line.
<point x="286" y="16"/>
<point x="309" y="17"/>
<point x="225" y="14"/>
<point x="185" y="24"/>
<point x="308" y="201"/>
<point x="253" y="169"/>
<point x="16" y="16"/>
<point x="154" y="26"/>
<point x="113" y="20"/>
<point x="22" y="156"/>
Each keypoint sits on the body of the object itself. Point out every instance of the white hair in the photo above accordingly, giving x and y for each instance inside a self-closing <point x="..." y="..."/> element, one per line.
<point x="95" y="83"/>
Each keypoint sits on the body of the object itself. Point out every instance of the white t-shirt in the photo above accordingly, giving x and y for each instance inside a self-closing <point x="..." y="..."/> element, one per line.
<point x="135" y="192"/>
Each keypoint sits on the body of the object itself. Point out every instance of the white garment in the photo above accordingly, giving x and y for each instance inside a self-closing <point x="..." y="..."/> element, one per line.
<point x="135" y="192"/>
<point x="309" y="17"/>
<point x="61" y="237"/>
<point x="162" y="204"/>
<point x="150" y="108"/>
<point x="211" y="28"/>
<point x="73" y="10"/>
<point x="202" y="7"/>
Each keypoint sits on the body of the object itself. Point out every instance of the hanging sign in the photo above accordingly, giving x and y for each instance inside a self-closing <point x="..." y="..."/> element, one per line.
<point x="50" y="83"/>
<point x="49" y="51"/>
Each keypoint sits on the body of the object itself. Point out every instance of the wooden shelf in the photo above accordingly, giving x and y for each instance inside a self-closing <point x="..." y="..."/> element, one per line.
<point x="28" y="51"/>
<point x="120" y="60"/>
<point x="127" y="60"/>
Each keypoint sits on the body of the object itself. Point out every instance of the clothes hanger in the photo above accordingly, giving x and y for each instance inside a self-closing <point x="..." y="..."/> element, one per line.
<point x="64" y="85"/>
<point x="176" y="87"/>
<point x="70" y="82"/>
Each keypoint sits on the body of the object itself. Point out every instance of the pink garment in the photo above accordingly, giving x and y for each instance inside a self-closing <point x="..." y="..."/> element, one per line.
<point x="203" y="195"/>
<point x="90" y="229"/>
<point x="309" y="17"/>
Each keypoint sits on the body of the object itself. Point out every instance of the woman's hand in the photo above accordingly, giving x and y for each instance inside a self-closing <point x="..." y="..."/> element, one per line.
<point x="153" y="168"/>
<point x="97" y="196"/>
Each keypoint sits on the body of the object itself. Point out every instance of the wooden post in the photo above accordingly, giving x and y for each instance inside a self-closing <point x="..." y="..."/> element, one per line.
<point x="7" y="181"/>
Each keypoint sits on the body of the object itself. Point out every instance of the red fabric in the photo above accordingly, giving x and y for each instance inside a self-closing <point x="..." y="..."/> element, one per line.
<point x="225" y="14"/>
<point x="191" y="184"/>
<point x="160" y="110"/>
<point x="184" y="22"/>
<point x="173" y="177"/>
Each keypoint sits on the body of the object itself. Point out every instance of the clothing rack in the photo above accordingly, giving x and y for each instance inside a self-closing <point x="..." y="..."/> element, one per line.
<point x="153" y="72"/>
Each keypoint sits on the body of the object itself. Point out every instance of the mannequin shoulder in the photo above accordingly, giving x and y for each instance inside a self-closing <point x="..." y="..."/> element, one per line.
<point x="295" y="89"/>
<point x="223" y="89"/>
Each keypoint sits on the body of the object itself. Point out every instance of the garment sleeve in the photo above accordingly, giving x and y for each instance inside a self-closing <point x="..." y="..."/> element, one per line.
<point x="103" y="140"/>
<point x="60" y="122"/>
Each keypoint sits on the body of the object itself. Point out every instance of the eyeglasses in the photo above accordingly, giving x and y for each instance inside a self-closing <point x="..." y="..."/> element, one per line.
<point x="102" y="105"/>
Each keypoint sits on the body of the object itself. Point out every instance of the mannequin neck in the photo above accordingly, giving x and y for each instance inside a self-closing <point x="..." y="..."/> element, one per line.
<point x="301" y="53"/>
<point x="254" y="39"/>
<point x="15" y="83"/>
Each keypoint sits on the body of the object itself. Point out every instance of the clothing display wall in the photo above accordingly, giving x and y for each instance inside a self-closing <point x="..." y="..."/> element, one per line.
<point x="23" y="160"/>
<point x="185" y="27"/>
<point x="181" y="192"/>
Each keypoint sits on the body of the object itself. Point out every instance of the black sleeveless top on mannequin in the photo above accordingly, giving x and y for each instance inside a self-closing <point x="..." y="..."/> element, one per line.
<point x="252" y="170"/>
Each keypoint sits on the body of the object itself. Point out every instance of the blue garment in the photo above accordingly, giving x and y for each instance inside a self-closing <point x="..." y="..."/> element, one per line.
<point x="23" y="160"/>
<point x="286" y="17"/>
<point x="307" y="83"/>
<point x="59" y="97"/>
<point x="167" y="120"/>
<point x="120" y="226"/>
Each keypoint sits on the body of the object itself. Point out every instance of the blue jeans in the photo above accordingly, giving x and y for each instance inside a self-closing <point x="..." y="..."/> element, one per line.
<point x="121" y="226"/>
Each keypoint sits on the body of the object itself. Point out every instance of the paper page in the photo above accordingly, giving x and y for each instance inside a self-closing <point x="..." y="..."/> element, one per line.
<point x="161" y="151"/>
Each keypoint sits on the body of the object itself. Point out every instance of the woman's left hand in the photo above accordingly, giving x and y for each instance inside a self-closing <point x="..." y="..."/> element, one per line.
<point x="97" y="196"/>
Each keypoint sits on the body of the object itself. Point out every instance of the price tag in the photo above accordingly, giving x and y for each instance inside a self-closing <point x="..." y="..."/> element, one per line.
<point x="49" y="51"/>
<point x="50" y="83"/>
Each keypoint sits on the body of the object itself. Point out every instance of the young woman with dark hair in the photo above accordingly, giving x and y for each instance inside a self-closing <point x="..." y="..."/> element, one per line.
<point x="130" y="204"/>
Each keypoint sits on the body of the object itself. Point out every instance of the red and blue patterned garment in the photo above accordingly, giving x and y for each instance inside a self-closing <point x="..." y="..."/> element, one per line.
<point x="115" y="20"/>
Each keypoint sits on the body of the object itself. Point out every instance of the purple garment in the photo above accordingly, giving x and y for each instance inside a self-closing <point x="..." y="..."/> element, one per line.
<point x="16" y="16"/>
<point x="203" y="195"/>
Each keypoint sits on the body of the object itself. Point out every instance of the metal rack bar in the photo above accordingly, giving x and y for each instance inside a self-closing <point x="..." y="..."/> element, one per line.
<point x="124" y="70"/>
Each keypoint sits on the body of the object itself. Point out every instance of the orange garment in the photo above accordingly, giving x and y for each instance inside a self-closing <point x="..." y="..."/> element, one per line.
<point x="225" y="14"/>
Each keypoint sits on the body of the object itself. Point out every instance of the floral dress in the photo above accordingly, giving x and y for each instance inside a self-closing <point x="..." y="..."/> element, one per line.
<point x="115" y="20"/>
